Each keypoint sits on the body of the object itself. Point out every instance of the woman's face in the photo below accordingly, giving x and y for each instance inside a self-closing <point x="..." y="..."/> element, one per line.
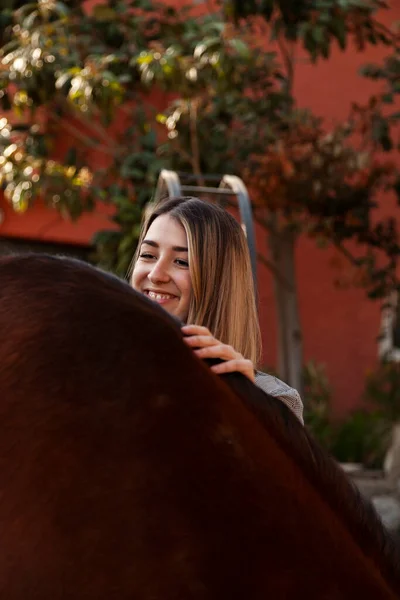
<point x="162" y="269"/>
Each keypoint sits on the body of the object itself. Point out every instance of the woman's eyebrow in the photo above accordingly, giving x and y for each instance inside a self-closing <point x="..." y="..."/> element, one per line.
<point x="174" y="248"/>
<point x="150" y="243"/>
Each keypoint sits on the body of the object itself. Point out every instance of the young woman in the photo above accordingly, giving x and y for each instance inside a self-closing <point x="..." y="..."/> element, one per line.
<point x="192" y="259"/>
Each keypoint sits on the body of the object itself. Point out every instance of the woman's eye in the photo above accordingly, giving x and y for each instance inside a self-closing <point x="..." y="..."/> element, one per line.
<point x="145" y="255"/>
<point x="182" y="263"/>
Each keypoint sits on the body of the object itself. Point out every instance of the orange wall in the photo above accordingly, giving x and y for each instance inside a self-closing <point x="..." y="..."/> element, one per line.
<point x="340" y="327"/>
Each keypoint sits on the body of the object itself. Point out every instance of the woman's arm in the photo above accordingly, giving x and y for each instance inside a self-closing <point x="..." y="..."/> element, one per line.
<point x="205" y="345"/>
<point x="277" y="388"/>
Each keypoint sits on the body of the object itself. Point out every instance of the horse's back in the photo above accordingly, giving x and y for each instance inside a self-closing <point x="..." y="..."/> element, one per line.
<point x="130" y="471"/>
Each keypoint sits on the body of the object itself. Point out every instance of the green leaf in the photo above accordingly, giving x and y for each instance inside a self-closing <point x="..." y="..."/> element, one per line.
<point x="62" y="80"/>
<point x="381" y="133"/>
<point x="338" y="29"/>
<point x="267" y="8"/>
<point x="319" y="35"/>
<point x="241" y="47"/>
<point x="104" y="13"/>
<point x="149" y="140"/>
<point x="387" y="98"/>
<point x="61" y="9"/>
<point x="145" y="58"/>
<point x="205" y="45"/>
<point x="310" y="45"/>
<point x="325" y="50"/>
<point x="126" y="244"/>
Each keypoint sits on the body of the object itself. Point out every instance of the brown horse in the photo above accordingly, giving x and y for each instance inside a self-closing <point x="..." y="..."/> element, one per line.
<point x="129" y="471"/>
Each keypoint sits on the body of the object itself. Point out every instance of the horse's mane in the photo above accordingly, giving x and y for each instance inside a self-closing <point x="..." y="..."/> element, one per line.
<point x="322" y="471"/>
<point x="325" y="474"/>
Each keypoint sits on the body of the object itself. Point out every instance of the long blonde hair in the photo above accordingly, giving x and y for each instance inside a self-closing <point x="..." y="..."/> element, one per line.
<point x="223" y="298"/>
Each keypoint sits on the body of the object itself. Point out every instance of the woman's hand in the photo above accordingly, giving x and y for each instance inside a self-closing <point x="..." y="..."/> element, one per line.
<point x="206" y="346"/>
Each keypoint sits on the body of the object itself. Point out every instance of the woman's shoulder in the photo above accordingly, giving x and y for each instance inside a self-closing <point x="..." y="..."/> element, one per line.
<point x="277" y="388"/>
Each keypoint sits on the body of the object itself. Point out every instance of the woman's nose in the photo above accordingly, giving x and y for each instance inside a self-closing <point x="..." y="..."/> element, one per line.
<point x="159" y="274"/>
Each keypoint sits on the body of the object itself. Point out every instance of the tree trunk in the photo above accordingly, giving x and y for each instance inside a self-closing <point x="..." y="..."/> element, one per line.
<point x="282" y="246"/>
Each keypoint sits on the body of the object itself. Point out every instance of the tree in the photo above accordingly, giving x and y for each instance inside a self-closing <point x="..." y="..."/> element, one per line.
<point x="138" y="86"/>
<point x="315" y="183"/>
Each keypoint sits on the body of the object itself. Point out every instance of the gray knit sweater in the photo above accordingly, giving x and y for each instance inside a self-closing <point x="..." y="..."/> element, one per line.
<point x="275" y="387"/>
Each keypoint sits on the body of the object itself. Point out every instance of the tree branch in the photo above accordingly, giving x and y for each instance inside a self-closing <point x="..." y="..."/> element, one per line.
<point x="263" y="222"/>
<point x="87" y="122"/>
<point x="87" y="140"/>
<point x="194" y="141"/>
<point x="183" y="153"/>
<point x="346" y="253"/>
<point x="288" y="59"/>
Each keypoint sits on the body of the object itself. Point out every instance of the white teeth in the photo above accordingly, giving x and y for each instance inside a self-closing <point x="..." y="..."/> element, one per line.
<point x="159" y="296"/>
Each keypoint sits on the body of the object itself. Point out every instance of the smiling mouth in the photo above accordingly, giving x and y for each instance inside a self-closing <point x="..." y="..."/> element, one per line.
<point x="159" y="297"/>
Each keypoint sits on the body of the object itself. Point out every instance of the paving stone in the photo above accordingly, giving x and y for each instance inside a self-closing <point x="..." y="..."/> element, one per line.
<point x="388" y="509"/>
<point x="381" y="491"/>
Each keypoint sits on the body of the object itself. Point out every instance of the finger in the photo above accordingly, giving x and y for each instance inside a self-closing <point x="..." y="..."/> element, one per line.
<point x="243" y="366"/>
<point x="201" y="341"/>
<point x="222" y="351"/>
<point x="196" y="330"/>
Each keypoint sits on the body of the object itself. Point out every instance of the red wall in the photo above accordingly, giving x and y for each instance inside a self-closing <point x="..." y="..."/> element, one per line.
<point x="340" y="327"/>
